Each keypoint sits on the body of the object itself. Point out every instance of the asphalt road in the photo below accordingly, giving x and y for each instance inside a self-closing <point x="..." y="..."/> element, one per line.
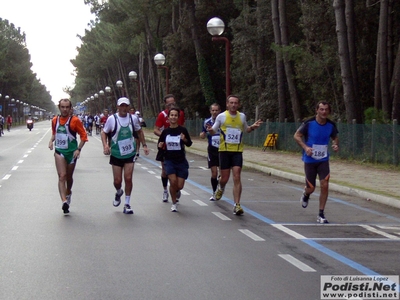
<point x="275" y="250"/>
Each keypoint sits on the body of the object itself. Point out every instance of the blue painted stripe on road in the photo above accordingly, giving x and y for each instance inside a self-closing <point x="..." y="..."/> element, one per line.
<point x="313" y="244"/>
<point x="341" y="258"/>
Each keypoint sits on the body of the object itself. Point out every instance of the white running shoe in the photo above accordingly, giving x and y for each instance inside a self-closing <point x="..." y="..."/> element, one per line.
<point x="322" y="220"/>
<point x="165" y="196"/>
<point x="117" y="199"/>
<point x="174" y="208"/>
<point x="69" y="198"/>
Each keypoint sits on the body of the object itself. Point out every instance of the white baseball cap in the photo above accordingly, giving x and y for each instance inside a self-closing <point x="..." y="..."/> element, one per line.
<point x="123" y="100"/>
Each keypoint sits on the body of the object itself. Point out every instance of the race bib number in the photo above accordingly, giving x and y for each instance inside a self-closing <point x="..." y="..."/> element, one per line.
<point x="232" y="136"/>
<point x="125" y="147"/>
<point x="319" y="151"/>
<point x="215" y="141"/>
<point x="173" y="142"/>
<point x="61" y="141"/>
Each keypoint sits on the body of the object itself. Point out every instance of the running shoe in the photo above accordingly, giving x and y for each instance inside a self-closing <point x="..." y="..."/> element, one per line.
<point x="238" y="210"/>
<point x="128" y="210"/>
<point x="174" y="208"/>
<point x="165" y="196"/>
<point x="69" y="199"/>
<point x="322" y="219"/>
<point x="219" y="193"/>
<point x="117" y="200"/>
<point x="212" y="198"/>
<point x="65" y="207"/>
<point x="304" y="200"/>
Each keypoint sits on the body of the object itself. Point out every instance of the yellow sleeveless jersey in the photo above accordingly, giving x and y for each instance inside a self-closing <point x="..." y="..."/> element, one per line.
<point x="231" y="133"/>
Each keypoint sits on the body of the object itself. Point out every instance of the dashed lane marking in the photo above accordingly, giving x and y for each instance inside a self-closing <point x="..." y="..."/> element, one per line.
<point x="289" y="231"/>
<point x="297" y="263"/>
<point x="199" y="202"/>
<point x="251" y="235"/>
<point x="221" y="216"/>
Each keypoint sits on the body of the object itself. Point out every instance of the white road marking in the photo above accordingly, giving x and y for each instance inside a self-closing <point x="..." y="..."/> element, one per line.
<point x="289" y="231"/>
<point x="144" y="168"/>
<point x="372" y="229"/>
<point x="221" y="216"/>
<point x="20" y="161"/>
<point x="152" y="172"/>
<point x="14" y="168"/>
<point x="184" y="193"/>
<point x="389" y="227"/>
<point x="201" y="203"/>
<point x="251" y="235"/>
<point x="203" y="168"/>
<point x="297" y="263"/>
<point x="6" y="177"/>
<point x="26" y="155"/>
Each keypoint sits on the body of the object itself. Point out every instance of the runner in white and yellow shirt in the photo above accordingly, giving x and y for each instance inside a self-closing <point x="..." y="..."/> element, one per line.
<point x="232" y="125"/>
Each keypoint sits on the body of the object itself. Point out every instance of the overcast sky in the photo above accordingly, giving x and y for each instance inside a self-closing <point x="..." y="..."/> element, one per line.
<point x="51" y="28"/>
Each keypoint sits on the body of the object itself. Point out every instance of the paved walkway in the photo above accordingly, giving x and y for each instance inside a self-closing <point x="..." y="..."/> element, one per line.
<point x="367" y="182"/>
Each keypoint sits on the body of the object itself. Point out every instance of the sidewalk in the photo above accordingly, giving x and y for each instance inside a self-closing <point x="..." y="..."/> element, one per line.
<point x="349" y="178"/>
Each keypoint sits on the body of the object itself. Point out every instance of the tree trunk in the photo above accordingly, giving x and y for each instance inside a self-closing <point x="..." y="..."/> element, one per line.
<point x="396" y="87"/>
<point x="288" y="67"/>
<point x="202" y="67"/>
<point x="344" y="58"/>
<point x="280" y="75"/>
<point x="350" y="22"/>
<point x="383" y="58"/>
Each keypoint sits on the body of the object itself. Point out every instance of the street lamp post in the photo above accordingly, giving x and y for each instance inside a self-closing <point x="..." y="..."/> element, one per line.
<point x="133" y="77"/>
<point x="6" y="98"/>
<point x="216" y="27"/>
<point x="101" y="94"/>
<point x="159" y="59"/>
<point x="108" y="93"/>
<point x="120" y="87"/>
<point x="96" y="98"/>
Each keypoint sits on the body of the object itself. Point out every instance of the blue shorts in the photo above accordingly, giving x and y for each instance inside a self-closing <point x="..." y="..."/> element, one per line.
<point x="180" y="169"/>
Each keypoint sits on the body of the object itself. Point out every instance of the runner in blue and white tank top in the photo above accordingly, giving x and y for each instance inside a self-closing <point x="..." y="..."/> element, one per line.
<point x="213" y="146"/>
<point x="313" y="136"/>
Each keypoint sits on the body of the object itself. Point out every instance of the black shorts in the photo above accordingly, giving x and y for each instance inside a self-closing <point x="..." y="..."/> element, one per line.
<point x="160" y="155"/>
<point x="227" y="159"/>
<point x="121" y="162"/>
<point x="313" y="169"/>
<point x="213" y="158"/>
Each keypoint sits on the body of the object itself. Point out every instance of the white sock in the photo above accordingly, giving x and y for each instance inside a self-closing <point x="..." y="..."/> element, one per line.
<point x="127" y="199"/>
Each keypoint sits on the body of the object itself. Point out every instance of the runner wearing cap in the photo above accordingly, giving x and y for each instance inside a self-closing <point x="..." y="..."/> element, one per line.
<point x="122" y="129"/>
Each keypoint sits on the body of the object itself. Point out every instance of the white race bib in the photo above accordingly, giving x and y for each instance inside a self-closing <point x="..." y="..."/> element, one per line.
<point x="215" y="141"/>
<point x="319" y="151"/>
<point x="125" y="146"/>
<point x="232" y="136"/>
<point x="61" y="141"/>
<point x="173" y="142"/>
